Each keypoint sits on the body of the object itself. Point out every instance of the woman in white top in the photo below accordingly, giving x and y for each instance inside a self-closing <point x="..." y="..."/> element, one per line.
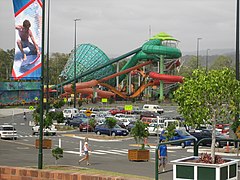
<point x="86" y="150"/>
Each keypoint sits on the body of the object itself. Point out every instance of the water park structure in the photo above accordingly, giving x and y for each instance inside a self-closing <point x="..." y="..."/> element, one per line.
<point x="94" y="69"/>
<point x="99" y="77"/>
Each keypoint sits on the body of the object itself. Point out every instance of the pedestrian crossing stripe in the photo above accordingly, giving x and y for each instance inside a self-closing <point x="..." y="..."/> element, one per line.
<point x="121" y="152"/>
<point x="110" y="152"/>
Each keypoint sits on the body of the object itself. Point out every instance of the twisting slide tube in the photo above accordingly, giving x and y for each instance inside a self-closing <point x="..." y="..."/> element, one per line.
<point x="166" y="77"/>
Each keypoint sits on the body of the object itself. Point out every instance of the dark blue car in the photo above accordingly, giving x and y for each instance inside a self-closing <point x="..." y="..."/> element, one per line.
<point x="179" y="134"/>
<point x="116" y="131"/>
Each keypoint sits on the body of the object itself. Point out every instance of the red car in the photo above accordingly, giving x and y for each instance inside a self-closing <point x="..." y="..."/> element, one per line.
<point x="118" y="111"/>
<point x="85" y="127"/>
<point x="224" y="128"/>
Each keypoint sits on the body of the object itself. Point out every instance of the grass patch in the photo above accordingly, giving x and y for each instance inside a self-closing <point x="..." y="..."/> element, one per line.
<point x="83" y="170"/>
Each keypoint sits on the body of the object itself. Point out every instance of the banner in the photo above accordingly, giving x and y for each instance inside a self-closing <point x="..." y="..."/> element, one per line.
<point x="28" y="40"/>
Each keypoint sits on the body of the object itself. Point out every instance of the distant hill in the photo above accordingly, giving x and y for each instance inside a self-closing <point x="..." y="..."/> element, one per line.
<point x="212" y="55"/>
<point x="211" y="52"/>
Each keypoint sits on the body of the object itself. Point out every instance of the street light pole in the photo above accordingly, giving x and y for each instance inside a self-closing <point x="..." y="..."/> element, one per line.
<point x="237" y="41"/>
<point x="75" y="59"/>
<point x="237" y="55"/>
<point x="198" y="39"/>
<point x="207" y="61"/>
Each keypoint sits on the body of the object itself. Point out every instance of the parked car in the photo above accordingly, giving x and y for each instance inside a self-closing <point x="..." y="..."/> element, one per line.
<point x="179" y="134"/>
<point x="70" y="113"/>
<point x="153" y="130"/>
<point x="207" y="133"/>
<point x="119" y="110"/>
<point x="84" y="126"/>
<point x="153" y="108"/>
<point x="47" y="131"/>
<point x="149" y="114"/>
<point x="75" y="122"/>
<point x="223" y="128"/>
<point x="131" y="125"/>
<point x="148" y="120"/>
<point x="116" y="131"/>
<point x="8" y="132"/>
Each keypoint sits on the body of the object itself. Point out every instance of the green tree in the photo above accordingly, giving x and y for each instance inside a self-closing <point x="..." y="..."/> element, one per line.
<point x="6" y="64"/>
<point x="222" y="61"/>
<point x="110" y="122"/>
<point x="57" y="153"/>
<point x="139" y="132"/>
<point x="56" y="64"/>
<point x="207" y="98"/>
<point x="190" y="64"/>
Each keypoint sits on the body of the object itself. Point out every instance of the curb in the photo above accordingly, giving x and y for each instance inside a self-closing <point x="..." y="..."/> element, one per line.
<point x="97" y="140"/>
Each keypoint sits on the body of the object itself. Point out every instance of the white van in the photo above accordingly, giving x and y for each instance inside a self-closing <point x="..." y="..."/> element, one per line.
<point x="153" y="108"/>
<point x="172" y="121"/>
<point x="70" y="113"/>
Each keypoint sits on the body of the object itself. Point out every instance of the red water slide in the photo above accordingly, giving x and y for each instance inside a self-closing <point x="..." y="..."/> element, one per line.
<point x="166" y="77"/>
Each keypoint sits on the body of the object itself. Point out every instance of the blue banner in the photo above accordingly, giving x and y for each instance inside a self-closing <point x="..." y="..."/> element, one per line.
<point x="28" y="40"/>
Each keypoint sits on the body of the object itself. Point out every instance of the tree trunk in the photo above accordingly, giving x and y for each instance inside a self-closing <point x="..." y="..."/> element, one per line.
<point x="213" y="138"/>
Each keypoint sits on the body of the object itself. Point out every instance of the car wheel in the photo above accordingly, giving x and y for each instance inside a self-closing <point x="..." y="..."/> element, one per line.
<point x="98" y="133"/>
<point x="113" y="134"/>
<point x="183" y="145"/>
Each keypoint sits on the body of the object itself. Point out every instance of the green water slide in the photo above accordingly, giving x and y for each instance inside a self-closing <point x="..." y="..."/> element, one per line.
<point x="152" y="50"/>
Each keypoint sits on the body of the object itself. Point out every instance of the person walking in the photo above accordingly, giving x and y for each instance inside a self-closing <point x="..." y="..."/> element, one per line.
<point x="162" y="155"/>
<point x="86" y="150"/>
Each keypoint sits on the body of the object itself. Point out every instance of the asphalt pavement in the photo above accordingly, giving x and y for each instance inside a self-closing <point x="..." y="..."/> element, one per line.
<point x="138" y="168"/>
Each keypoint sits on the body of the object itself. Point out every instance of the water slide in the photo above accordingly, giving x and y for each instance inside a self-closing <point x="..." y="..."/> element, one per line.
<point x="151" y="50"/>
<point x="166" y="77"/>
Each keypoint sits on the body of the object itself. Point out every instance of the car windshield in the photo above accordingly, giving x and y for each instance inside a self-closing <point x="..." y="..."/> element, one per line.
<point x="117" y="126"/>
<point x="183" y="133"/>
<point x="8" y="128"/>
<point x="218" y="133"/>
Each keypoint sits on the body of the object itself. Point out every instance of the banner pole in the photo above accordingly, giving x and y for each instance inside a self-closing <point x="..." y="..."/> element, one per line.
<point x="40" y="153"/>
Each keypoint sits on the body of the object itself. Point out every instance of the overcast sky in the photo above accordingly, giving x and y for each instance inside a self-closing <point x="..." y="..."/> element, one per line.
<point x="119" y="26"/>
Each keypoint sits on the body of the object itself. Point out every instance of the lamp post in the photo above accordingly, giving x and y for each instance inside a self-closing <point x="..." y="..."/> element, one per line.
<point x="47" y="79"/>
<point x="75" y="59"/>
<point x="237" y="55"/>
<point x="207" y="60"/>
<point x="198" y="39"/>
<point x="237" y="41"/>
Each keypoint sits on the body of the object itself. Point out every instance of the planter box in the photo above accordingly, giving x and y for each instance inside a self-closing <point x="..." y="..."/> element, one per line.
<point x="138" y="155"/>
<point x="185" y="169"/>
<point x="46" y="144"/>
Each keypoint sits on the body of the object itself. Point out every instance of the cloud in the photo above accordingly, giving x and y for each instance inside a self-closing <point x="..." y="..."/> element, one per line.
<point x="118" y="27"/>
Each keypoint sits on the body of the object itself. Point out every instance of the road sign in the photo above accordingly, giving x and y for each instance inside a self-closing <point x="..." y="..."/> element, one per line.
<point x="104" y="100"/>
<point x="88" y="112"/>
<point x="128" y="107"/>
<point x="31" y="107"/>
